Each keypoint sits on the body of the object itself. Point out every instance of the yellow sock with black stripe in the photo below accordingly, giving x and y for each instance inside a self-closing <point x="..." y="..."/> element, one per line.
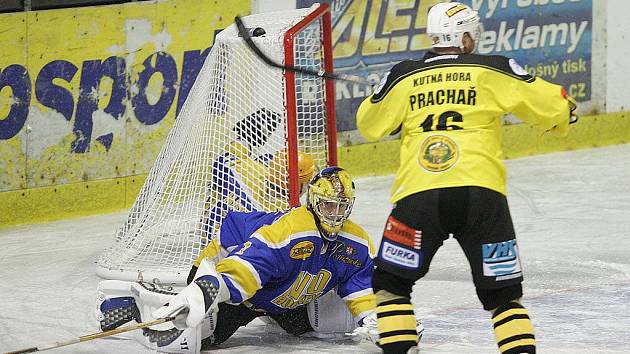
<point x="513" y="329"/>
<point x="396" y="323"/>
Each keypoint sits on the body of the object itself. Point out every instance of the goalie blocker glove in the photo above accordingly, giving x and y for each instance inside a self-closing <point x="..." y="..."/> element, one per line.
<point x="202" y="296"/>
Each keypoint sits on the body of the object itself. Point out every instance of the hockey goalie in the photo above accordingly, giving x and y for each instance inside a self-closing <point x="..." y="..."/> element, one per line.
<point x="307" y="270"/>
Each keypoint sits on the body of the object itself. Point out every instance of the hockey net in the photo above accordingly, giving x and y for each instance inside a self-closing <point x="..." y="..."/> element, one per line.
<point x="234" y="145"/>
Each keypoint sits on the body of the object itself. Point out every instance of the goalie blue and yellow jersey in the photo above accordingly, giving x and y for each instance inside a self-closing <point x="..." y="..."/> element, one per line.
<point x="449" y="109"/>
<point x="277" y="261"/>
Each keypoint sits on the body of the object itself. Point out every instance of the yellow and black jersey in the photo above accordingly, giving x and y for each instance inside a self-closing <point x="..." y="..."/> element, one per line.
<point x="448" y="109"/>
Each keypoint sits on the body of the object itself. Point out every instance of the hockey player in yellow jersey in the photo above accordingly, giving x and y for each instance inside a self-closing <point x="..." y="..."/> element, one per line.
<point x="448" y="107"/>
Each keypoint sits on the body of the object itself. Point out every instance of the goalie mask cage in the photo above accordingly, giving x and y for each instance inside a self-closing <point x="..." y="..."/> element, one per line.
<point x="229" y="145"/>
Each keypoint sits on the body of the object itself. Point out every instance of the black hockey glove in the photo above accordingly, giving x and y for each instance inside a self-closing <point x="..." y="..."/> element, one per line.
<point x="573" y="117"/>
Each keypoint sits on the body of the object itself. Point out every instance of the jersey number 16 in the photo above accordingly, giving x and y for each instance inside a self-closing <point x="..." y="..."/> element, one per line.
<point x="442" y="121"/>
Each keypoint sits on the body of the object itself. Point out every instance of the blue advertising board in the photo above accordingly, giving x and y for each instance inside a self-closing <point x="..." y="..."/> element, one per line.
<point x="549" y="38"/>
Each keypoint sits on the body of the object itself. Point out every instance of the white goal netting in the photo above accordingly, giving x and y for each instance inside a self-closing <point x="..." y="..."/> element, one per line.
<point x="233" y="146"/>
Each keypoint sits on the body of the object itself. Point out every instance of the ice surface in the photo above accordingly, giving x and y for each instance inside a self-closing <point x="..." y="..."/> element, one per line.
<point x="572" y="216"/>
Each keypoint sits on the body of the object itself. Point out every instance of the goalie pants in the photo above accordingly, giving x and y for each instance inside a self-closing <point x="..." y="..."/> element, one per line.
<point x="231" y="317"/>
<point x="480" y="221"/>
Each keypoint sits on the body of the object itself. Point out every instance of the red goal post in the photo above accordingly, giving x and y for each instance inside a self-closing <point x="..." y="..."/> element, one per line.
<point x="322" y="13"/>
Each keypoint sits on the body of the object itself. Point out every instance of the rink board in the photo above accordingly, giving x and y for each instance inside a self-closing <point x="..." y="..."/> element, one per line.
<point x="78" y="199"/>
<point x="88" y="96"/>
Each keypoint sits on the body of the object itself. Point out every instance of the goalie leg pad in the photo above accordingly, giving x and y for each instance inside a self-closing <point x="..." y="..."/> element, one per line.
<point x="330" y="314"/>
<point x="176" y="341"/>
<point x="115" y="304"/>
<point x="122" y="301"/>
<point x="117" y="311"/>
<point x="225" y="322"/>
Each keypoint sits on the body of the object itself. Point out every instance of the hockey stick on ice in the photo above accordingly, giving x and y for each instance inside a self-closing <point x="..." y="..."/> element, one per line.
<point x="92" y="336"/>
<point x="242" y="31"/>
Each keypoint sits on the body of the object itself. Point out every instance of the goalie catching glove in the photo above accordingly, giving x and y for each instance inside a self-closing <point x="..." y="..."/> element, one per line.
<point x="368" y="329"/>
<point x="202" y="296"/>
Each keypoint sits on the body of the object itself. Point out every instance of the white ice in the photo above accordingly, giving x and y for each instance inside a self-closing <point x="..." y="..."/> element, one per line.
<point x="572" y="216"/>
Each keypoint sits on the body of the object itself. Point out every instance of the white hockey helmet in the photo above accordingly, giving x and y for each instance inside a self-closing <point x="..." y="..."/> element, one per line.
<point x="447" y="22"/>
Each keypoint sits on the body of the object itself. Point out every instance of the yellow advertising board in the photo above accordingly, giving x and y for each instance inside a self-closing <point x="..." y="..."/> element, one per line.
<point x="89" y="94"/>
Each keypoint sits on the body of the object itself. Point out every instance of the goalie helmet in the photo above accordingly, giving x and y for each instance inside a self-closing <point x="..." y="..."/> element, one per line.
<point x="447" y="23"/>
<point x="330" y="196"/>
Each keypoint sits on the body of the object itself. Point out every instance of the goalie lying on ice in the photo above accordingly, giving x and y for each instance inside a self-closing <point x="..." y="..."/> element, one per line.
<point x="295" y="267"/>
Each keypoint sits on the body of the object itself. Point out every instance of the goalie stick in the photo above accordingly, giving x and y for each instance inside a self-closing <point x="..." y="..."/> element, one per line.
<point x="93" y="336"/>
<point x="243" y="32"/>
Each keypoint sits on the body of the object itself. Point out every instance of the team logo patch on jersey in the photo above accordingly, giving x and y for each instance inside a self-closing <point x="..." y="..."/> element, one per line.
<point x="501" y="260"/>
<point x="346" y="254"/>
<point x="302" y="250"/>
<point x="398" y="232"/>
<point x="401" y="256"/>
<point x="438" y="153"/>
<point x="306" y="288"/>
